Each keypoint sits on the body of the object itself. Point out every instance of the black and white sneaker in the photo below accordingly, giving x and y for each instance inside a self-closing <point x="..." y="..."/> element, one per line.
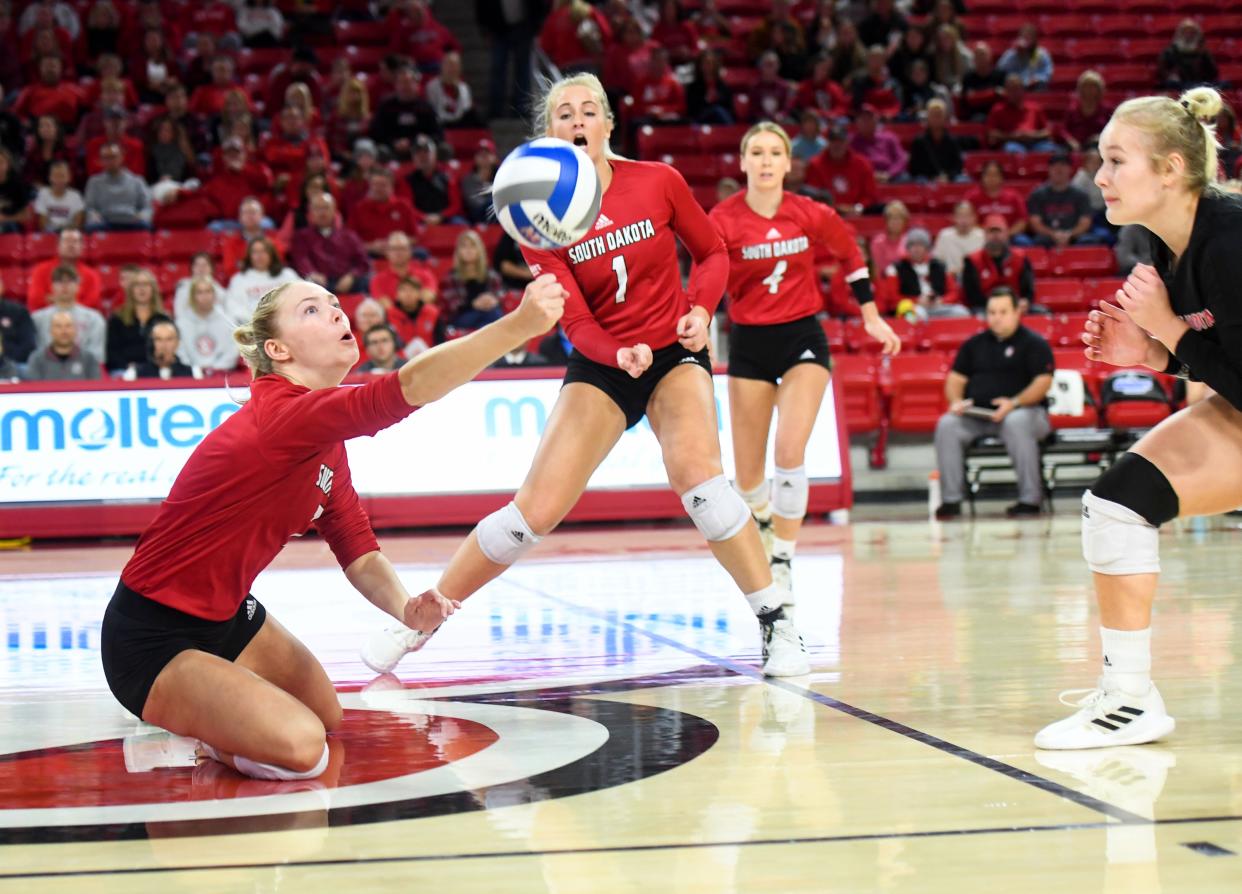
<point x="784" y="654"/>
<point x="766" y="536"/>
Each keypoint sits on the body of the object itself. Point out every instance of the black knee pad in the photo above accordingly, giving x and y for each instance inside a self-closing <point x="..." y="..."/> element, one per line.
<point x="1135" y="483"/>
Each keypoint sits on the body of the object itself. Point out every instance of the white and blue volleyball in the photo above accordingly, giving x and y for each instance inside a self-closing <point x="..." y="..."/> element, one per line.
<point x="546" y="194"/>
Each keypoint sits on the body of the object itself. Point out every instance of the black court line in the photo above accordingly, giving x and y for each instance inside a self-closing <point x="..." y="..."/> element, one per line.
<point x="575" y="852"/>
<point x="959" y="751"/>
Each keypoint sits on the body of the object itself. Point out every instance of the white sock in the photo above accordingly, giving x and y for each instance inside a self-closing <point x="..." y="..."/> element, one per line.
<point x="767" y="600"/>
<point x="1127" y="659"/>
<point x="783" y="549"/>
<point x="758" y="502"/>
<point x="259" y="770"/>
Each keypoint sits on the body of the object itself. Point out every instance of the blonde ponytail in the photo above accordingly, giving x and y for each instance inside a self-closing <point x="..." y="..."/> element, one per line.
<point x="1185" y="126"/>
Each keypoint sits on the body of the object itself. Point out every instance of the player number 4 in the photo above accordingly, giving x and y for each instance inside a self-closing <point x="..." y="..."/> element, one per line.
<point x="623" y="277"/>
<point x="773" y="279"/>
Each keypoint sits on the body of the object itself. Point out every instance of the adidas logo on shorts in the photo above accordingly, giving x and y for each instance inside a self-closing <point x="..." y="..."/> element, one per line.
<point x="251" y="608"/>
<point x="687" y="360"/>
<point x="808" y="354"/>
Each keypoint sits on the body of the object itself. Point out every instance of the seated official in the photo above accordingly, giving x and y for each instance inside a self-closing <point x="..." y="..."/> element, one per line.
<point x="997" y="386"/>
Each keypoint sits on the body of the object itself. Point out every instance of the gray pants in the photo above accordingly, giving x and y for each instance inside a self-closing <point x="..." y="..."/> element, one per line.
<point x="1021" y="430"/>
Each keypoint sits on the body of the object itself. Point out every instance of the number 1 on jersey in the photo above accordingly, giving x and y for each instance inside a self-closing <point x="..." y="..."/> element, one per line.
<point x="623" y="277"/>
<point x="773" y="279"/>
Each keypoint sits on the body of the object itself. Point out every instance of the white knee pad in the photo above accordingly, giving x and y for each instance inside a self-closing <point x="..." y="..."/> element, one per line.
<point x="1117" y="540"/>
<point x="716" y="509"/>
<point x="504" y="535"/>
<point x="790" y="490"/>
<point x="758" y="498"/>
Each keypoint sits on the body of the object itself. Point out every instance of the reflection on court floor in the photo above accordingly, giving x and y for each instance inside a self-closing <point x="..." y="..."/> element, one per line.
<point x="595" y="721"/>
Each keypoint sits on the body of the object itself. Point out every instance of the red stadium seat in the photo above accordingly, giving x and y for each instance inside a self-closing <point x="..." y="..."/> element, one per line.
<point x="1129" y="77"/>
<point x="834" y="331"/>
<point x="974" y="163"/>
<point x="181" y="245"/>
<point x="705" y="194"/>
<point x="365" y="58"/>
<point x="1067" y="24"/>
<point x="110" y="287"/>
<point x="666" y="139"/>
<point x="167" y="275"/>
<point x="945" y="335"/>
<point x="858" y="376"/>
<point x="917" y="400"/>
<point x="12" y="249"/>
<point x="362" y="32"/>
<point x="721" y="137"/>
<point x="859" y="342"/>
<point x="1133" y="398"/>
<point x="1085" y="260"/>
<point x="40" y="247"/>
<point x="1068" y="329"/>
<point x="913" y="195"/>
<point x="441" y="239"/>
<point x="465" y="140"/>
<point x="119" y="248"/>
<point x="1146" y="49"/>
<point x="1041" y="324"/>
<point x="14" y="280"/>
<point x="942" y="197"/>
<point x="490" y="233"/>
<point x="1097" y="290"/>
<point x="1038" y="256"/>
<point x="1060" y="295"/>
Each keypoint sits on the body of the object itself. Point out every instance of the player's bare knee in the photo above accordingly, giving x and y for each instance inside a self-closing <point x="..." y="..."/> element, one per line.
<point x="303" y="746"/>
<point x="789" y="457"/>
<point x="685" y="475"/>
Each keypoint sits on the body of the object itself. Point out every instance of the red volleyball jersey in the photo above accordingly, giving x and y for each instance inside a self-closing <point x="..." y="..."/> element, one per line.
<point x="623" y="278"/>
<point x="772" y="269"/>
<point x="267" y="474"/>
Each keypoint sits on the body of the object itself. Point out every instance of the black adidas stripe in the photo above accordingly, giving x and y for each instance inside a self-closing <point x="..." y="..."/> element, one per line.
<point x="1106" y="724"/>
<point x="1135" y="711"/>
<point x="1118" y="718"/>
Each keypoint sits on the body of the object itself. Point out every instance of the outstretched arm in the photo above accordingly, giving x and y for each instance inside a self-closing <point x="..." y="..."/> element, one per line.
<point x="374" y="577"/>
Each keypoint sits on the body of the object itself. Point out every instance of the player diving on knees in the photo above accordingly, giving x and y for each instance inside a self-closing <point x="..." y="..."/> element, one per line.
<point x="639" y="350"/>
<point x="184" y="644"/>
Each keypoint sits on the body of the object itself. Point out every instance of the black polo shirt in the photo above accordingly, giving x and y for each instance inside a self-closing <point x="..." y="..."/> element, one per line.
<point x="995" y="368"/>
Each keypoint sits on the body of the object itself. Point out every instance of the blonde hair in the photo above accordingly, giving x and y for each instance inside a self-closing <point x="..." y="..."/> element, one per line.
<point x="478" y="269"/>
<point x="1091" y="76"/>
<point x="1184" y="126"/>
<point x="768" y="127"/>
<point x="897" y="206"/>
<point x="342" y="100"/>
<point x="252" y="337"/>
<point x="199" y="283"/>
<point x="142" y="277"/>
<point x="544" y="104"/>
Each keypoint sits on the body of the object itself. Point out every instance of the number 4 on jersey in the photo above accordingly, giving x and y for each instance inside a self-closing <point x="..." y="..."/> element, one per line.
<point x="773" y="279"/>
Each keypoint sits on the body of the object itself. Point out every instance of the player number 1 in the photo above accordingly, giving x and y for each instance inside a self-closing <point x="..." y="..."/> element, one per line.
<point x="623" y="277"/>
<point x="773" y="279"/>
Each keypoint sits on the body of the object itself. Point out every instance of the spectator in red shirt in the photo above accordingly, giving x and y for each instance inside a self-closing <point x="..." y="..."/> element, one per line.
<point x="993" y="197"/>
<point x="300" y="69"/>
<point x="235" y="179"/>
<point x="399" y="264"/>
<point x="658" y="96"/>
<point x="286" y="149"/>
<point x="108" y="67"/>
<point x="110" y="97"/>
<point x="49" y="42"/>
<point x="820" y="93"/>
<point x="331" y="256"/>
<point x="1087" y="114"/>
<point x="416" y="316"/>
<point x="1016" y="124"/>
<point x="675" y="33"/>
<point x="50" y="96"/>
<point x="450" y="96"/>
<point x="68" y="254"/>
<point x="416" y="33"/>
<point x="771" y="98"/>
<point x="208" y="100"/>
<point x="252" y="223"/>
<point x="843" y="172"/>
<point x="575" y="36"/>
<point x="876" y="86"/>
<point x="115" y="123"/>
<point x="625" y="62"/>
<point x="380" y="213"/>
<point x="214" y="17"/>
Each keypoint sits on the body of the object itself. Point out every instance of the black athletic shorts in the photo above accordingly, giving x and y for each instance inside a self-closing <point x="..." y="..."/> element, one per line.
<point x="768" y="352"/>
<point x="630" y="394"/>
<point x="140" y="636"/>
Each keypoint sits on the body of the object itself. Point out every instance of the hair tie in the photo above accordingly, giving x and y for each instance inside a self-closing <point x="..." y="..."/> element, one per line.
<point x="1185" y="104"/>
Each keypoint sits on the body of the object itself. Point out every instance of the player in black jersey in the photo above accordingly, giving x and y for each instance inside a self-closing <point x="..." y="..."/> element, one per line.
<point x="1182" y="315"/>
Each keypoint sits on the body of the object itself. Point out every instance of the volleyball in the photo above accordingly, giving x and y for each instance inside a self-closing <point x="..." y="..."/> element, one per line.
<point x="546" y="194"/>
